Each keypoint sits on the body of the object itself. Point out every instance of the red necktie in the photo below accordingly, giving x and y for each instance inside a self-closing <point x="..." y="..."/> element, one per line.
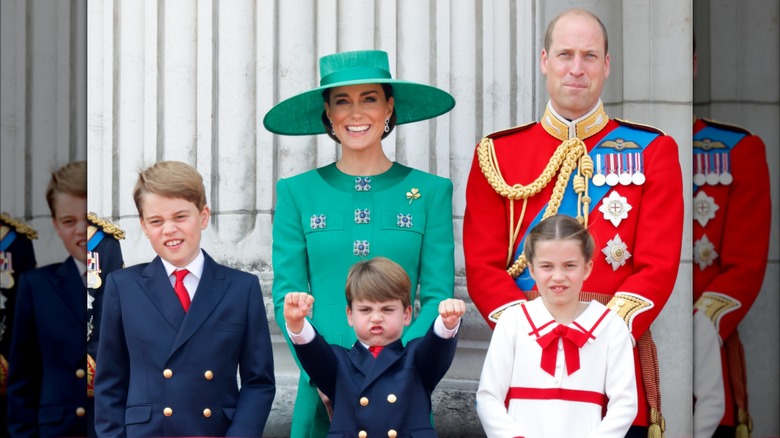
<point x="181" y="291"/>
<point x="572" y="341"/>
<point x="375" y="349"/>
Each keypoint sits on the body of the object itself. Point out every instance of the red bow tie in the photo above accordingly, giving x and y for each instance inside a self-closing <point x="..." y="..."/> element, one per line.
<point x="573" y="340"/>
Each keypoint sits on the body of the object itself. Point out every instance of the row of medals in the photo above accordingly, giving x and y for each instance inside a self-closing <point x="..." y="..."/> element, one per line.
<point x="6" y="271"/>
<point x="623" y="169"/>
<point x="711" y="169"/>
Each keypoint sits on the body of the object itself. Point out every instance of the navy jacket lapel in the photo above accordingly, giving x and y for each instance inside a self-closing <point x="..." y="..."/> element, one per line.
<point x="391" y="354"/>
<point x="211" y="289"/>
<point x="71" y="290"/>
<point x="157" y="287"/>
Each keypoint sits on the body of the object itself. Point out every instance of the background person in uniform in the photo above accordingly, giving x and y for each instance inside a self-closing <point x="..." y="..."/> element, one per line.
<point x="558" y="366"/>
<point x="47" y="382"/>
<point x="175" y="331"/>
<point x="622" y="180"/>
<point x="731" y="226"/>
<point x="361" y="206"/>
<point x="379" y="387"/>
<point x="104" y="256"/>
<point x="17" y="256"/>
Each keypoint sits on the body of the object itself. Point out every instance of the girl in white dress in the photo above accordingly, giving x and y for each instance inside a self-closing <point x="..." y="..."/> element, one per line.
<point x="556" y="366"/>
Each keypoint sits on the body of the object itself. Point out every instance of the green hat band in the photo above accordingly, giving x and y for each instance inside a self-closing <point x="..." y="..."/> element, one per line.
<point x="354" y="74"/>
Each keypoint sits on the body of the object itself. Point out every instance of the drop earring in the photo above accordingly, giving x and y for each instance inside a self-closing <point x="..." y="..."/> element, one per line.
<point x="387" y="124"/>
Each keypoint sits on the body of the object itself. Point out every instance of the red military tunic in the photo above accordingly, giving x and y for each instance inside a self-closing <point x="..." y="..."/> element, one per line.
<point x="732" y="211"/>
<point x="641" y="277"/>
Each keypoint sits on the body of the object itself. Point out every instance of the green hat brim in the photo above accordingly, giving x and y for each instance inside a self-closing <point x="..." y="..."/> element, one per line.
<point x="300" y="114"/>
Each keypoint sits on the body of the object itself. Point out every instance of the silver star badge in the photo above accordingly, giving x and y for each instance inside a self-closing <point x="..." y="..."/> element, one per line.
<point x="616" y="252"/>
<point x="90" y="300"/>
<point x="615" y="208"/>
<point x="704" y="208"/>
<point x="704" y="253"/>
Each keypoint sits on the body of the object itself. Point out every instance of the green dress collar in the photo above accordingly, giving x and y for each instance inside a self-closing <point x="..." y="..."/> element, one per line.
<point x="366" y="183"/>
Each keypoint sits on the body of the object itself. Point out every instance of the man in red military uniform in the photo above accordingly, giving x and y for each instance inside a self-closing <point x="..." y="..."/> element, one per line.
<point x="731" y="226"/>
<point x="622" y="179"/>
<point x="731" y="212"/>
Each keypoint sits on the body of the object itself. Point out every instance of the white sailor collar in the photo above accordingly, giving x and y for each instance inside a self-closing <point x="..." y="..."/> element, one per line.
<point x="537" y="320"/>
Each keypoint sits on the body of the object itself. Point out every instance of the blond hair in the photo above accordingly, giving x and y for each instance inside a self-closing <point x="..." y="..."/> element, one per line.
<point x="170" y="179"/>
<point x="378" y="280"/>
<point x="70" y="179"/>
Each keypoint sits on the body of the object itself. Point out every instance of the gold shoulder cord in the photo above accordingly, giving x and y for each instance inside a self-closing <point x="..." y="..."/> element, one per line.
<point x="107" y="226"/>
<point x="19" y="226"/>
<point x="569" y="155"/>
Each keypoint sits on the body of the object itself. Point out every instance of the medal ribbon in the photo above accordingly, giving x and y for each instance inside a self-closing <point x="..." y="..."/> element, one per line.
<point x="572" y="339"/>
<point x="569" y="202"/>
<point x="728" y="138"/>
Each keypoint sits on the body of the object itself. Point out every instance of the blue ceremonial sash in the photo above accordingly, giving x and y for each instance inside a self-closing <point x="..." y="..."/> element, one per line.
<point x="95" y="240"/>
<point x="569" y="201"/>
<point x="728" y="138"/>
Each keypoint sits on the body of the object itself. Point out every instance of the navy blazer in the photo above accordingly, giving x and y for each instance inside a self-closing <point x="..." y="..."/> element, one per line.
<point x="47" y="385"/>
<point x="164" y="372"/>
<point x="391" y="392"/>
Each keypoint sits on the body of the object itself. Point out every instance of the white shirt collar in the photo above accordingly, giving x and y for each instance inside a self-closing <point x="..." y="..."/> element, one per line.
<point x="195" y="267"/>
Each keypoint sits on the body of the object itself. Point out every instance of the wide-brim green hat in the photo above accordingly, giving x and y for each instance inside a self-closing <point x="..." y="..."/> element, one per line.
<point x="301" y="114"/>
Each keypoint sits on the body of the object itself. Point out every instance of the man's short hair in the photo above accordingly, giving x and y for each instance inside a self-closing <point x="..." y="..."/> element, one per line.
<point x="378" y="280"/>
<point x="70" y="179"/>
<point x="170" y="179"/>
<point x="578" y="11"/>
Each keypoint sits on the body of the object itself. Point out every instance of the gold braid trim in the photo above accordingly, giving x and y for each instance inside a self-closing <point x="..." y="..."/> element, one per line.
<point x="715" y="305"/>
<point x="107" y="226"/>
<point x="19" y="226"/>
<point x="570" y="155"/>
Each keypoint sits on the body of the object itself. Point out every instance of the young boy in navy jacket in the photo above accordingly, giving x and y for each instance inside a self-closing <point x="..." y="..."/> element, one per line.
<point x="379" y="387"/>
<point x="175" y="331"/>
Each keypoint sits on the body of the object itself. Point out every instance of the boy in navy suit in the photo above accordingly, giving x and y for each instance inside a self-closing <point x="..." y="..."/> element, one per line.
<point x="47" y="385"/>
<point x="378" y="387"/>
<point x="175" y="331"/>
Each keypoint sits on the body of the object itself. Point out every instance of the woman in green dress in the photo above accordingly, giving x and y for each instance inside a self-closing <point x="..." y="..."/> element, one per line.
<point x="362" y="206"/>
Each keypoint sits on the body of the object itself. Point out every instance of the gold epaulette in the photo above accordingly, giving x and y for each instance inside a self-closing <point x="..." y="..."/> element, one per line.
<point x="19" y="226"/>
<point x="640" y="126"/>
<point x="715" y="305"/>
<point x="726" y="126"/>
<point x="509" y="131"/>
<point x="628" y="305"/>
<point x="106" y="225"/>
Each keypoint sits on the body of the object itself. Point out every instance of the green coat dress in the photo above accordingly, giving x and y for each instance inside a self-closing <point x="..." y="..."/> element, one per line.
<point x="326" y="221"/>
